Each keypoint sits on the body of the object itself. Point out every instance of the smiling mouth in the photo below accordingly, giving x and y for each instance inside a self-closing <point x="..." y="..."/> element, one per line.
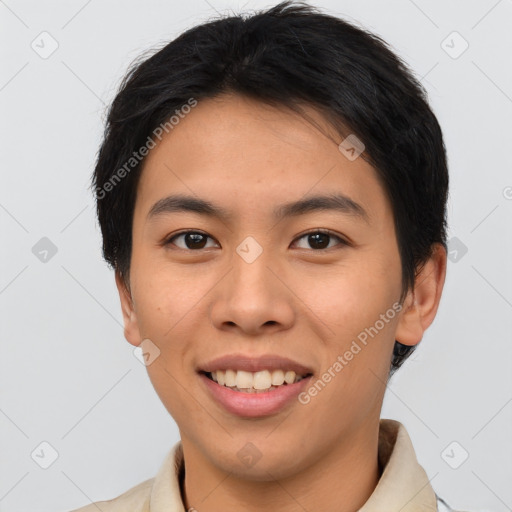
<point x="254" y="382"/>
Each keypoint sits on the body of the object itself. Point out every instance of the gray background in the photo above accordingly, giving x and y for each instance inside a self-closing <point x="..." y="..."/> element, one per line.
<point x="68" y="377"/>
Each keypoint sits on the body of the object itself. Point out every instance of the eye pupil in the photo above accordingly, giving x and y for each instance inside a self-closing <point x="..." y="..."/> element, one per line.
<point x="198" y="241"/>
<point x="316" y="240"/>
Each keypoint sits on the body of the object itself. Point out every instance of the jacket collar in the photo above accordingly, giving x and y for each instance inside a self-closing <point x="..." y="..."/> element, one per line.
<point x="403" y="485"/>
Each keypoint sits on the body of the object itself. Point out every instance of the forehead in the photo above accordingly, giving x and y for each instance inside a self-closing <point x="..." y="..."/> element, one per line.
<point x="244" y="151"/>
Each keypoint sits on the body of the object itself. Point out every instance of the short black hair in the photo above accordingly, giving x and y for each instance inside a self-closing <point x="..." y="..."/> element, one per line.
<point x="289" y="55"/>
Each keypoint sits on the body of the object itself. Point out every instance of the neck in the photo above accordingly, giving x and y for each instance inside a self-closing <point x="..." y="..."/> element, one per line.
<point x="339" y="480"/>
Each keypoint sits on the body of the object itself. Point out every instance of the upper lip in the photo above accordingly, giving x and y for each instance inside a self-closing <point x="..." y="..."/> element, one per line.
<point x="268" y="362"/>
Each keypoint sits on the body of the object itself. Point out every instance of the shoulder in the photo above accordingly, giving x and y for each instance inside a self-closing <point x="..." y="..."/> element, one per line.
<point x="135" y="499"/>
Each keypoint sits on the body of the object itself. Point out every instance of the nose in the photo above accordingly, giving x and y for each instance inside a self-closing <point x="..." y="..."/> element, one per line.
<point x="253" y="299"/>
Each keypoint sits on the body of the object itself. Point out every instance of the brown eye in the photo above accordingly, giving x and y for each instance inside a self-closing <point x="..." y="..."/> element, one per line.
<point x="320" y="239"/>
<point x="191" y="240"/>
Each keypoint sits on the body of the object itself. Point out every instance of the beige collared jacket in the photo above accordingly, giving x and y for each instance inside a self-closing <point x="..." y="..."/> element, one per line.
<point x="403" y="486"/>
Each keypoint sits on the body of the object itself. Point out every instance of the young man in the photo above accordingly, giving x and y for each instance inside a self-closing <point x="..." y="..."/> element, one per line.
<point x="272" y="193"/>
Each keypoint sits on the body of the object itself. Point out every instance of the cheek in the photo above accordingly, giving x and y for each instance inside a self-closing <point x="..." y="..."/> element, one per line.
<point x="168" y="314"/>
<point x="351" y="296"/>
<point x="357" y="302"/>
<point x="165" y="298"/>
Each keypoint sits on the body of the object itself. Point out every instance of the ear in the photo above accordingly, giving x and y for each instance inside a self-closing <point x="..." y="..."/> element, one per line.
<point x="420" y="305"/>
<point x="131" y="326"/>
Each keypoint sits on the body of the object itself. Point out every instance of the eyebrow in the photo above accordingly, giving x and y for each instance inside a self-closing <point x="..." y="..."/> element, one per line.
<point x="333" y="202"/>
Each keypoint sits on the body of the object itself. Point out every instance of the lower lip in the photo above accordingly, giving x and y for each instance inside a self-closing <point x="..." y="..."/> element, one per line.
<point x="254" y="405"/>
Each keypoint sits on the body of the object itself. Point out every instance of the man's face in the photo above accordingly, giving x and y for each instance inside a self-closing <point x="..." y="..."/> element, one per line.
<point x="278" y="292"/>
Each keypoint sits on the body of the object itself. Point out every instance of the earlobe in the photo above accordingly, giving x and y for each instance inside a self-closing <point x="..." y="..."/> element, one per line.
<point x="421" y="304"/>
<point x="131" y="327"/>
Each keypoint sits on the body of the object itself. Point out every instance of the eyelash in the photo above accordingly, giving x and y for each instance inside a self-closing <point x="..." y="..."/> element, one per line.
<point x="342" y="243"/>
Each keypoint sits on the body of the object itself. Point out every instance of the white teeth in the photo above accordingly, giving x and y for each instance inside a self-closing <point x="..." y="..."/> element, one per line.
<point x="289" y="377"/>
<point x="243" y="379"/>
<point x="230" y="378"/>
<point x="262" y="380"/>
<point x="250" y="381"/>
<point x="277" y="377"/>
